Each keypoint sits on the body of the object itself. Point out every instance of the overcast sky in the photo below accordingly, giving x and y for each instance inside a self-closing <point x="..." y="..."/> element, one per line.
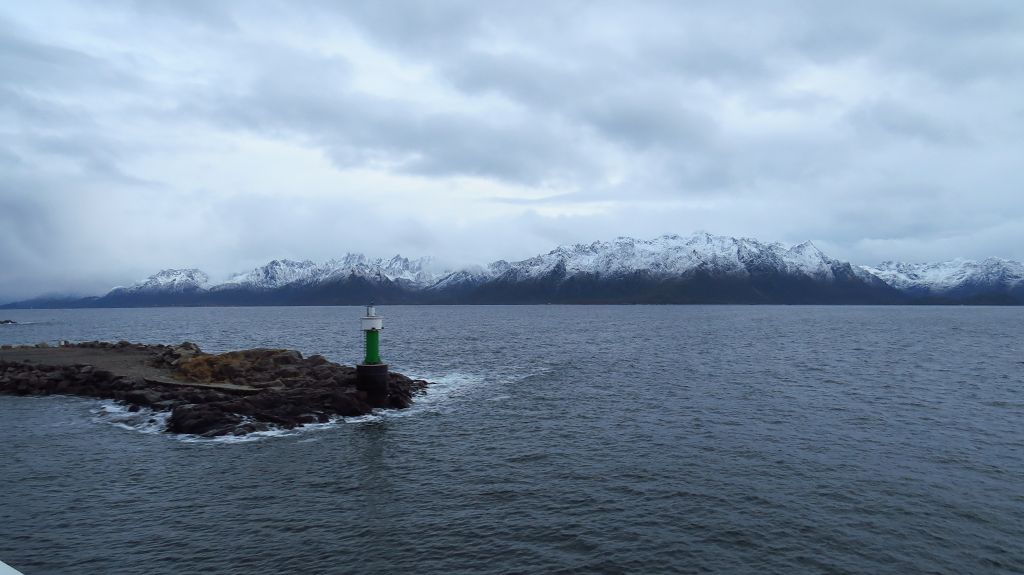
<point x="139" y="135"/>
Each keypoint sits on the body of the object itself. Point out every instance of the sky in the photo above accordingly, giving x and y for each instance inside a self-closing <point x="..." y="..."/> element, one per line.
<point x="142" y="135"/>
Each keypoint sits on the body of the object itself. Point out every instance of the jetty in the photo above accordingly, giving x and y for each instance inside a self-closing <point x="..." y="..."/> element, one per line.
<point x="210" y="395"/>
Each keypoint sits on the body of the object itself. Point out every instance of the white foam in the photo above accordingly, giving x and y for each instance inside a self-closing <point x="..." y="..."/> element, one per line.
<point x="441" y="396"/>
<point x="144" y="420"/>
<point x="368" y="418"/>
<point x="261" y="435"/>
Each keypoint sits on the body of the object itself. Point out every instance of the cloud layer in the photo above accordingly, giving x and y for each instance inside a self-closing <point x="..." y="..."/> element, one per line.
<point x="139" y="135"/>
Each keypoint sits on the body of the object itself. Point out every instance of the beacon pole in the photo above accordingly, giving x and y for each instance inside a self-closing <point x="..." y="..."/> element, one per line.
<point x="372" y="374"/>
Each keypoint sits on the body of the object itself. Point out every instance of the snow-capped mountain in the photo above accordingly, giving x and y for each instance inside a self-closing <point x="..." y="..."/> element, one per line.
<point x="699" y="268"/>
<point x="280" y="273"/>
<point x="171" y="281"/>
<point x="665" y="268"/>
<point x="955" y="278"/>
<point x="673" y="255"/>
<point x="276" y="274"/>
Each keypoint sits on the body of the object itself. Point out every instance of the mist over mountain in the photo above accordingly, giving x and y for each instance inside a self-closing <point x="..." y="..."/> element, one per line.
<point x="700" y="269"/>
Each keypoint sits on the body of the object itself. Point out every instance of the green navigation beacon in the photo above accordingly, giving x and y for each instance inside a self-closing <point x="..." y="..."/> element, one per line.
<point x="372" y="374"/>
<point x="372" y="324"/>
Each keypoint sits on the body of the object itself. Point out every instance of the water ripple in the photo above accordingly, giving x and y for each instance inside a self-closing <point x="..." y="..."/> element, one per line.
<point x="560" y="439"/>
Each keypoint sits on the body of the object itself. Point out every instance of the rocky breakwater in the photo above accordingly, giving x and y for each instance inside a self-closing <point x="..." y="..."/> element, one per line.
<point x="207" y="394"/>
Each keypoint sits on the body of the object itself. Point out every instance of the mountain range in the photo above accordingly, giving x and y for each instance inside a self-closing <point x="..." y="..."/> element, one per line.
<point x="700" y="268"/>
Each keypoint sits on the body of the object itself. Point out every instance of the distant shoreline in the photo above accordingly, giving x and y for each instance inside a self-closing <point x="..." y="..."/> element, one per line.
<point x="930" y="303"/>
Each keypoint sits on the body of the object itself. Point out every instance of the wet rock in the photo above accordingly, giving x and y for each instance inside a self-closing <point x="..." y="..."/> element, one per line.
<point x="199" y="419"/>
<point x="286" y="357"/>
<point x="189" y="346"/>
<point x="322" y="372"/>
<point x="143" y="397"/>
<point x="250" y="427"/>
<point x="269" y="387"/>
<point x="288" y="372"/>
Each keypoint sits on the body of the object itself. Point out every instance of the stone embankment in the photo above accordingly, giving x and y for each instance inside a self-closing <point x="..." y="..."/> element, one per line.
<point x="207" y="394"/>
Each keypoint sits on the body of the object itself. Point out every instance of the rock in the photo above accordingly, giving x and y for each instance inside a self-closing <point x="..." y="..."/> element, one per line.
<point x="287" y="357"/>
<point x="143" y="397"/>
<point x="399" y="402"/>
<point x="322" y="372"/>
<point x="206" y="420"/>
<point x="307" y="418"/>
<point x="288" y="372"/>
<point x="271" y="384"/>
<point x="278" y="387"/>
<point x="189" y="346"/>
<point x="250" y="427"/>
<point x="184" y="351"/>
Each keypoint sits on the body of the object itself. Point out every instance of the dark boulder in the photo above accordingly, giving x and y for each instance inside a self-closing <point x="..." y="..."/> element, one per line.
<point x="143" y="397"/>
<point x="197" y="419"/>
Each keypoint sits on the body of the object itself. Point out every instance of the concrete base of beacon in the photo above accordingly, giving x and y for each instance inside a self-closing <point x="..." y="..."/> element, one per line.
<point x="373" y="379"/>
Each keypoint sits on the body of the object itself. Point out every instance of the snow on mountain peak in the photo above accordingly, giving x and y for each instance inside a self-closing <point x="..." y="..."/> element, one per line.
<point x="279" y="273"/>
<point x="666" y="255"/>
<point x="949" y="275"/>
<point x="275" y="274"/>
<point x="672" y="254"/>
<point x="809" y="260"/>
<point x="173" y="280"/>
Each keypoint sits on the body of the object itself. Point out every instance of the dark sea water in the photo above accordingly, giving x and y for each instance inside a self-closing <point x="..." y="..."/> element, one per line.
<point x="587" y="439"/>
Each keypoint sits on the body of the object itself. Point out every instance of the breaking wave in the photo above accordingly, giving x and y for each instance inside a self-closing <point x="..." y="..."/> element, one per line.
<point x="440" y="397"/>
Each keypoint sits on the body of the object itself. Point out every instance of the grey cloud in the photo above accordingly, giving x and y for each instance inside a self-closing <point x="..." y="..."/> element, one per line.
<point x="856" y="124"/>
<point x="193" y="13"/>
<point x="642" y="100"/>
<point x="29" y="65"/>
<point x="886" y="119"/>
<point x="529" y="80"/>
<point x="420" y="28"/>
<point x="650" y="119"/>
<point x="41" y="91"/>
<point x="949" y="42"/>
<point x="311" y="97"/>
<point x="640" y="95"/>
